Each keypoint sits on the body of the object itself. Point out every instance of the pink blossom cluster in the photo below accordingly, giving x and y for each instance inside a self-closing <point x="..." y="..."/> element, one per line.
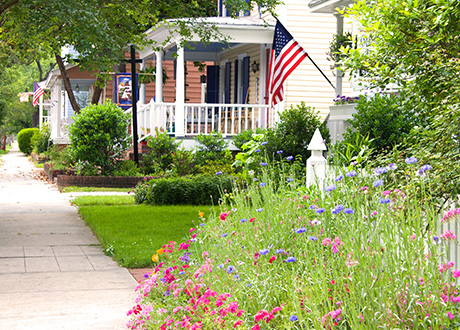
<point x="263" y="315"/>
<point x="450" y="215"/>
<point x="443" y="267"/>
<point x="448" y="235"/>
<point x="332" y="317"/>
<point x="335" y="244"/>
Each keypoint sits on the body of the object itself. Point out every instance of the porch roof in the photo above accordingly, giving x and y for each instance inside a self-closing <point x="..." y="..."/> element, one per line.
<point x="242" y="30"/>
<point x="328" y="6"/>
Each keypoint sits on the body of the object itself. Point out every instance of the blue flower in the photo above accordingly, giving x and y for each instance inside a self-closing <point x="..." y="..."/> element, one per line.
<point x="380" y="170"/>
<point x="264" y="251"/>
<point x="260" y="210"/>
<point x="340" y="177"/>
<point x="167" y="293"/>
<point x="262" y="184"/>
<point x="312" y="207"/>
<point x="338" y="209"/>
<point x="320" y="210"/>
<point x="279" y="152"/>
<point x="264" y="143"/>
<point x="243" y="220"/>
<point x="249" y="285"/>
<point x="411" y="160"/>
<point x="220" y="266"/>
<point x="384" y="200"/>
<point x="181" y="273"/>
<point x="230" y="269"/>
<point x="224" y="235"/>
<point x="313" y="238"/>
<point x="202" y="224"/>
<point x="301" y="230"/>
<point x="289" y="158"/>
<point x="348" y="210"/>
<point x="436" y="239"/>
<point x="279" y="251"/>
<point x="293" y="318"/>
<point x="146" y="275"/>
<point x="258" y="150"/>
<point x="219" y="173"/>
<point x="392" y="166"/>
<point x="330" y="188"/>
<point x="263" y="164"/>
<point x="377" y="183"/>
<point x="291" y="259"/>
<point x="425" y="167"/>
<point x="290" y="180"/>
<point x="236" y="276"/>
<point x="351" y="174"/>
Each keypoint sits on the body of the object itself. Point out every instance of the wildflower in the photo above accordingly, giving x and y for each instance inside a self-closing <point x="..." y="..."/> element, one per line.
<point x="450" y="315"/>
<point x="291" y="259"/>
<point x="456" y="273"/>
<point x="237" y="324"/>
<point x="320" y="210"/>
<point x="313" y="238"/>
<point x="436" y="239"/>
<point x="290" y="180"/>
<point x="273" y="258"/>
<point x="377" y="183"/>
<point x="256" y="327"/>
<point x="411" y="160"/>
<point x="448" y="235"/>
<point x="264" y="251"/>
<point x="160" y="251"/>
<point x="293" y="318"/>
<point x="202" y="224"/>
<point x="219" y="173"/>
<point x="312" y="207"/>
<point x="330" y="188"/>
<point x="384" y="200"/>
<point x="340" y="177"/>
<point x="263" y="164"/>
<point x="425" y="167"/>
<point x="301" y="230"/>
<point x="380" y="170"/>
<point x="230" y="269"/>
<point x="223" y="216"/>
<point x="289" y="158"/>
<point x="279" y="251"/>
<point x="348" y="210"/>
<point x="392" y="166"/>
<point x="279" y="152"/>
<point x="262" y="184"/>
<point x="413" y="237"/>
<point x="450" y="215"/>
<point x="220" y="266"/>
<point x="338" y="209"/>
<point x="316" y="222"/>
<point x="351" y="174"/>
<point x="258" y="150"/>
<point x="252" y="219"/>
<point x="251" y="172"/>
<point x="259" y="210"/>
<point x="243" y="220"/>
<point x="200" y="214"/>
<point x="224" y="235"/>
<point x="263" y="143"/>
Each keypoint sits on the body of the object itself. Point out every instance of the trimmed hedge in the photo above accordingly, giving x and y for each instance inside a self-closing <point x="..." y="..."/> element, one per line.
<point x="196" y="190"/>
<point x="25" y="139"/>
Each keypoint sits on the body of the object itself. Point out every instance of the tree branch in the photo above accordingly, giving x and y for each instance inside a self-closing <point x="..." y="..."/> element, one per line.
<point x="67" y="85"/>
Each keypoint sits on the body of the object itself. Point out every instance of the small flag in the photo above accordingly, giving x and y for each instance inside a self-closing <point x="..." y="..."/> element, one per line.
<point x="38" y="91"/>
<point x="24" y="97"/>
<point x="287" y="54"/>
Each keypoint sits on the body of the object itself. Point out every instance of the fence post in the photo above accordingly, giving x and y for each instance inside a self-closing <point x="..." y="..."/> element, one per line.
<point x="316" y="164"/>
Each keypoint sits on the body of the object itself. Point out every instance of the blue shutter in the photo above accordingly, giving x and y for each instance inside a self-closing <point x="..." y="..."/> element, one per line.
<point x="246" y="12"/>
<point x="245" y="79"/>
<point x="235" y="84"/>
<point x="227" y="79"/>
<point x="212" y="85"/>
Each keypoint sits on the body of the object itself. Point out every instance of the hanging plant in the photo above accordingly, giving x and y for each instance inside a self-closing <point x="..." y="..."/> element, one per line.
<point x="334" y="54"/>
<point x="148" y="75"/>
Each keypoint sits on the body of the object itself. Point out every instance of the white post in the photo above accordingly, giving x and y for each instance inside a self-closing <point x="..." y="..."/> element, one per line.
<point x="338" y="76"/>
<point x="316" y="164"/>
<point x="40" y="112"/>
<point x="180" y="93"/>
<point x="142" y="88"/>
<point x="159" y="77"/>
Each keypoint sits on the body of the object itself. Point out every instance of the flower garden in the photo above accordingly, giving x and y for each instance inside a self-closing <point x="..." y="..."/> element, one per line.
<point x="349" y="253"/>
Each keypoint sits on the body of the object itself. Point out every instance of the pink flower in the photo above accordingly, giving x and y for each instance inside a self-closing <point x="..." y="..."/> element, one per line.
<point x="450" y="215"/>
<point x="191" y="229"/>
<point x="448" y="235"/>
<point x="326" y="241"/>
<point x="260" y="315"/>
<point x="276" y="309"/>
<point x="456" y="273"/>
<point x="205" y="254"/>
<point x="237" y="324"/>
<point x="183" y="246"/>
<point x="413" y="236"/>
<point x="273" y="258"/>
<point x="256" y="327"/>
<point x="449" y="314"/>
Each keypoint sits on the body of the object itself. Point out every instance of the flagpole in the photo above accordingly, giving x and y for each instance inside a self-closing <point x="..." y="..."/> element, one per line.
<point x="321" y="71"/>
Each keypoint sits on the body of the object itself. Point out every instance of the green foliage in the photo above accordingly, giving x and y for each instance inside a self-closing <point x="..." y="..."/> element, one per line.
<point x="25" y="139"/>
<point x="344" y="153"/>
<point x="339" y="41"/>
<point x="211" y="147"/>
<point x="245" y="136"/>
<point x="127" y="168"/>
<point x="60" y="158"/>
<point x="196" y="190"/>
<point x="41" y="140"/>
<point x="385" y="119"/>
<point x="162" y="154"/>
<point x="98" y="138"/>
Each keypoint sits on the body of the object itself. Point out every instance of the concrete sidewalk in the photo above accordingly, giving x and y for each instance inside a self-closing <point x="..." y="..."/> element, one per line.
<point x="53" y="275"/>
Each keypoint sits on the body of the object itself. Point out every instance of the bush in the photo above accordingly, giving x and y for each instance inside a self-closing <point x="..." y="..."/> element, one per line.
<point x="41" y="140"/>
<point x="127" y="168"/>
<point x="162" y="154"/>
<point x="196" y="190"/>
<point x="245" y="136"/>
<point x="211" y="147"/>
<point x="385" y="119"/>
<point x="98" y="138"/>
<point x="25" y="139"/>
<point x="60" y="158"/>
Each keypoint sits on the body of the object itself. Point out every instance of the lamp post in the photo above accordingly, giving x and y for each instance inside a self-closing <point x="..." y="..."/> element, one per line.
<point x="134" y="102"/>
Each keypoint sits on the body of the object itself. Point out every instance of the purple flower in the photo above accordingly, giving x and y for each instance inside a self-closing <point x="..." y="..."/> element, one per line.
<point x="312" y="207"/>
<point x="243" y="220"/>
<point x="291" y="259"/>
<point x="377" y="183"/>
<point x="425" y="167"/>
<point x="264" y="143"/>
<point x="279" y="251"/>
<point x="392" y="166"/>
<point x="264" y="251"/>
<point x="258" y="150"/>
<point x="384" y="200"/>
<point x="380" y="170"/>
<point x="313" y="238"/>
<point x="340" y="177"/>
<point x="220" y="266"/>
<point x="351" y="174"/>
<point x="330" y="188"/>
<point x="338" y="209"/>
<point x="289" y="158"/>
<point x="411" y="160"/>
<point x="348" y="210"/>
<point x="293" y="318"/>
<point x="301" y="230"/>
<point x="290" y="180"/>
<point x="436" y="239"/>
<point x="260" y="210"/>
<point x="279" y="152"/>
<point x="262" y="184"/>
<point x="146" y="275"/>
<point x="230" y="269"/>
<point x="202" y="224"/>
<point x="320" y="210"/>
<point x="263" y="164"/>
<point x="224" y="235"/>
<point x="219" y="173"/>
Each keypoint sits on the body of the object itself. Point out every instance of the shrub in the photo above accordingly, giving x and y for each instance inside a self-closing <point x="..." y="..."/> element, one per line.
<point x="384" y="118"/>
<point x="163" y="150"/>
<point x="245" y="136"/>
<point x="25" y="139"/>
<point x="41" y="140"/>
<point x="196" y="190"/>
<point x="211" y="147"/>
<point x="127" y="168"/>
<point x="98" y="138"/>
<point x="60" y="158"/>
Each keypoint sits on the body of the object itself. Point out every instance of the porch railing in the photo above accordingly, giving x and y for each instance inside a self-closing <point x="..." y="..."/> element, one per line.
<point x="202" y="118"/>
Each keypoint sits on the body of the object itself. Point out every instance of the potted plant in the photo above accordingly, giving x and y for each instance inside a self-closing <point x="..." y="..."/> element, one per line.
<point x="148" y="75"/>
<point x="339" y="114"/>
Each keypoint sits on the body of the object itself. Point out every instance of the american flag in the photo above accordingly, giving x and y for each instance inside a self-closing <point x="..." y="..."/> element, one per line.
<point x="38" y="91"/>
<point x="286" y="56"/>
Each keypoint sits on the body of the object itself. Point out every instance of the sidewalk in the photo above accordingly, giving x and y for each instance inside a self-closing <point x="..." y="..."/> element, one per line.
<point x="52" y="273"/>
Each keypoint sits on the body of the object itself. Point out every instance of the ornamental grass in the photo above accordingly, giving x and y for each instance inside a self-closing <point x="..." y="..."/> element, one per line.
<point x="348" y="253"/>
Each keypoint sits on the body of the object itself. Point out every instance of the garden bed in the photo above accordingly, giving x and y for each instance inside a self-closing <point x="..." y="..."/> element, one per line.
<point x="52" y="174"/>
<point x="98" y="181"/>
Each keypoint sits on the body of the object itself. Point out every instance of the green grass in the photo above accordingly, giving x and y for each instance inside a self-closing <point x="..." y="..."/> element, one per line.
<point x="92" y="189"/>
<point x="133" y="233"/>
<point x="104" y="200"/>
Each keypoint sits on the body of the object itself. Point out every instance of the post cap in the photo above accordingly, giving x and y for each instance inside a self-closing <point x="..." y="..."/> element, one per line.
<point x="317" y="142"/>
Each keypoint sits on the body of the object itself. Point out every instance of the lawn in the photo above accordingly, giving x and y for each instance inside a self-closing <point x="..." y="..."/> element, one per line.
<point x="93" y="189"/>
<point x="133" y="233"/>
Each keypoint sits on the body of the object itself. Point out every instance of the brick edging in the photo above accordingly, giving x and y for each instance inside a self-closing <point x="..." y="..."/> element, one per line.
<point x="98" y="181"/>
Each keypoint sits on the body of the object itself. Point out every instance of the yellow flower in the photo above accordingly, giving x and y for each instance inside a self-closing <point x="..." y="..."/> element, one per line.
<point x="155" y="258"/>
<point x="200" y="214"/>
<point x="160" y="251"/>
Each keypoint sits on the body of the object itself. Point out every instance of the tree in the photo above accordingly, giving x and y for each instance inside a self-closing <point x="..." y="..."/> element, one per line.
<point x="99" y="30"/>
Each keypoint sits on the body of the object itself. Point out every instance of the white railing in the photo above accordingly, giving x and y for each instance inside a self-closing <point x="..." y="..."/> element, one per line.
<point x="202" y="118"/>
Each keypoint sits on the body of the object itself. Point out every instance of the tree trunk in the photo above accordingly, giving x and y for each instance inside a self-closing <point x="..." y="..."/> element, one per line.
<point x="68" y="87"/>
<point x="96" y="92"/>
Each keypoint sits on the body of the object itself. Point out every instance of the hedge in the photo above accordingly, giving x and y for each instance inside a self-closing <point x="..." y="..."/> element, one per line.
<point x="25" y="139"/>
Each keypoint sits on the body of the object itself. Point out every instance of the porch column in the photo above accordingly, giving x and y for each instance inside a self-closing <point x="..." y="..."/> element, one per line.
<point x="263" y="113"/>
<point x="157" y="113"/>
<point x="338" y="76"/>
<point x="159" y="77"/>
<point x="40" y="112"/>
<point x="59" y="109"/>
<point x="142" y="88"/>
<point x="180" y="93"/>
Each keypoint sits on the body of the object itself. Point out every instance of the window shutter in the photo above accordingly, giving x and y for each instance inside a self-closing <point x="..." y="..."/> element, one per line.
<point x="235" y="84"/>
<point x="227" y="79"/>
<point x="245" y="80"/>
<point x="212" y="86"/>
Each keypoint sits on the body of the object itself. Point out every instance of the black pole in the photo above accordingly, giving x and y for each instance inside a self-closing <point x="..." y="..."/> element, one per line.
<point x="134" y="102"/>
<point x="321" y="72"/>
